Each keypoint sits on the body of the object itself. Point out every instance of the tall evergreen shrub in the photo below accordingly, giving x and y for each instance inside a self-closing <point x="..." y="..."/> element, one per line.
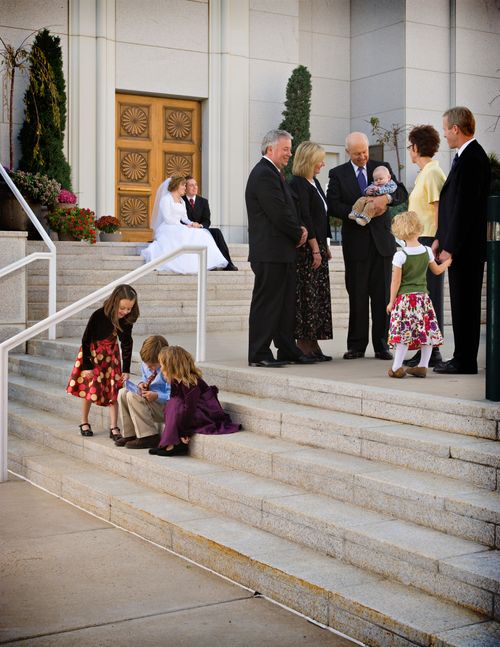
<point x="296" y="115"/>
<point x="42" y="133"/>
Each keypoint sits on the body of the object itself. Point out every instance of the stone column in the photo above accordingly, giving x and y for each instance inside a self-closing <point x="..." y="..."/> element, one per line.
<point x="228" y="118"/>
<point x="13" y="286"/>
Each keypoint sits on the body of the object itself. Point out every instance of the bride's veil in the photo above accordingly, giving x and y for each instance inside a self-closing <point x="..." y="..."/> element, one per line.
<point x="160" y="193"/>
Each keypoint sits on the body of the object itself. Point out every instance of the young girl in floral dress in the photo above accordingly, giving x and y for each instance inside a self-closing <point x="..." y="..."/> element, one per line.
<point x="193" y="406"/>
<point x="97" y="374"/>
<point x="413" y="320"/>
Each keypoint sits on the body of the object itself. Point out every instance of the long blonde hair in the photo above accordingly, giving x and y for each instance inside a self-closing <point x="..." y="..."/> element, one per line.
<point x="178" y="365"/>
<point x="307" y="155"/>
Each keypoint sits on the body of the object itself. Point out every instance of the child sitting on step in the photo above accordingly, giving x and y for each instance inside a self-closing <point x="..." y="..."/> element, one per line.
<point x="413" y="320"/>
<point x="141" y="412"/>
<point x="193" y="406"/>
<point x="97" y="374"/>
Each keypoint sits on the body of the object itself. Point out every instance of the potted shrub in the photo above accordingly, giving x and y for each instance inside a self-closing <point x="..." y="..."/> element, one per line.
<point x="39" y="191"/>
<point x="76" y="223"/>
<point x="108" y="229"/>
<point x="66" y="198"/>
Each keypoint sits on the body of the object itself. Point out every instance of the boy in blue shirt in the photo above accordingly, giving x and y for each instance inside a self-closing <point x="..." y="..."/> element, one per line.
<point x="141" y="412"/>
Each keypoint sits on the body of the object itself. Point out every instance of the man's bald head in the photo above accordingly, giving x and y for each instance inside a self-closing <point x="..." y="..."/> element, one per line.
<point x="356" y="146"/>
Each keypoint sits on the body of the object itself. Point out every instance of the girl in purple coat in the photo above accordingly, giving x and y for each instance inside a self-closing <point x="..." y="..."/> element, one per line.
<point x="193" y="406"/>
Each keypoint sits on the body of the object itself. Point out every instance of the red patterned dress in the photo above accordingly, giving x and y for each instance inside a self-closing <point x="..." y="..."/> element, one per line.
<point x="100" y="353"/>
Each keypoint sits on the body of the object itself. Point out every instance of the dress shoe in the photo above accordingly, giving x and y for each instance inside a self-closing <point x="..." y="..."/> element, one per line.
<point x="450" y="368"/>
<point x="121" y="442"/>
<point x="230" y="267"/>
<point x="416" y="371"/>
<point x="303" y="359"/>
<point x="321" y="358"/>
<point x="399" y="372"/>
<point x="178" y="450"/>
<point x="383" y="354"/>
<point x="143" y="443"/>
<point x="354" y="354"/>
<point x="269" y="363"/>
<point x="434" y="360"/>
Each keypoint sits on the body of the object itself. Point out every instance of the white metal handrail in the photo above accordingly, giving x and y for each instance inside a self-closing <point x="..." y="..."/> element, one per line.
<point x="77" y="307"/>
<point x="50" y="255"/>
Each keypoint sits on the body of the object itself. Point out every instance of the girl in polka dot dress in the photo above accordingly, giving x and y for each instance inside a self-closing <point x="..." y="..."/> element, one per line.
<point x="97" y="374"/>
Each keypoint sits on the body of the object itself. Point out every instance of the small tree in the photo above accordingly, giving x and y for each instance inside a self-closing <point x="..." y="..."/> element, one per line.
<point x="42" y="133"/>
<point x="13" y="59"/>
<point x="390" y="136"/>
<point x="296" y="115"/>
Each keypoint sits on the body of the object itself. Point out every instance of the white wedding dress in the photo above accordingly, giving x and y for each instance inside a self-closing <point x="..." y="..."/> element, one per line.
<point x="170" y="233"/>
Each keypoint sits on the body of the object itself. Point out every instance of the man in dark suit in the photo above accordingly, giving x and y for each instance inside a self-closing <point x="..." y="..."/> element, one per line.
<point x="461" y="234"/>
<point x="368" y="250"/>
<point x="274" y="233"/>
<point x="198" y="211"/>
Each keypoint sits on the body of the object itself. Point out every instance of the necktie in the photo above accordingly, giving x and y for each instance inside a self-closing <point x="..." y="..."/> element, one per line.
<point x="361" y="179"/>
<point x="455" y="160"/>
<point x="150" y="379"/>
<point x="191" y="202"/>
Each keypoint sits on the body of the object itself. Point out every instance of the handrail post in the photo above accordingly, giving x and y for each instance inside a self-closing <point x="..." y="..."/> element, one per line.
<point x="78" y="306"/>
<point x="52" y="293"/>
<point x="201" y="324"/>
<point x="4" y="414"/>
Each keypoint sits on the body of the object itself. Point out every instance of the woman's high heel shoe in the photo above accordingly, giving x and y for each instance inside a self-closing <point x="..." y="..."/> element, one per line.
<point x="115" y="436"/>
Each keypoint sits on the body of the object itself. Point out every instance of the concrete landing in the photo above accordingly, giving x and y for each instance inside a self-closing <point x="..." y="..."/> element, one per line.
<point x="69" y="578"/>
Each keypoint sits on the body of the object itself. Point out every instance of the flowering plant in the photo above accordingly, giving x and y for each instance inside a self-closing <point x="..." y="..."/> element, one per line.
<point x="36" y="187"/>
<point x="76" y="222"/>
<point x="66" y="197"/>
<point x="107" y="224"/>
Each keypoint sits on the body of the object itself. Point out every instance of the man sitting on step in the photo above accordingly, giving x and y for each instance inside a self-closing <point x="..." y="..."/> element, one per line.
<point x="198" y="211"/>
<point x="142" y="412"/>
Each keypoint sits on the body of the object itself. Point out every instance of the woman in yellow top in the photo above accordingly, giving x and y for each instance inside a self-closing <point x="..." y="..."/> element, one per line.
<point x="424" y="200"/>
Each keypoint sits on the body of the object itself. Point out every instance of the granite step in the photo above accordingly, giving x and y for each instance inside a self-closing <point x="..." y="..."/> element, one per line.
<point x="365" y="606"/>
<point x="475" y="461"/>
<point x="446" y="504"/>
<point x="458" y="570"/>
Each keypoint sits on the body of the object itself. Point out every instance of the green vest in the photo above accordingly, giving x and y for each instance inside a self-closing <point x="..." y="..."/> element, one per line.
<point x="414" y="273"/>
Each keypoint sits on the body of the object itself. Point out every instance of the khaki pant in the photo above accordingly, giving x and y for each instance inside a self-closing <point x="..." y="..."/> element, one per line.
<point x="139" y="418"/>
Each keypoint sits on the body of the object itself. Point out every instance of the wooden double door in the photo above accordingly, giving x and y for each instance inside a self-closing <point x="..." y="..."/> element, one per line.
<point x="156" y="137"/>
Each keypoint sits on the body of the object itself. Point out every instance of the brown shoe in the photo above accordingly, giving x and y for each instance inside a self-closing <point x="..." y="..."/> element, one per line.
<point x="400" y="372"/>
<point x="416" y="371"/>
<point x="143" y="443"/>
<point x="121" y="442"/>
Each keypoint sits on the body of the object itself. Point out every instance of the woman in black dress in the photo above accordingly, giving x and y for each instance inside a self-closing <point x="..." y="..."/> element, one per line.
<point x="313" y="319"/>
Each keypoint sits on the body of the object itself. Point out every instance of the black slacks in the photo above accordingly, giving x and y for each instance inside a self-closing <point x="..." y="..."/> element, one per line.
<point x="272" y="311"/>
<point x="465" y="276"/>
<point x="368" y="284"/>
<point x="219" y="240"/>
<point x="435" y="285"/>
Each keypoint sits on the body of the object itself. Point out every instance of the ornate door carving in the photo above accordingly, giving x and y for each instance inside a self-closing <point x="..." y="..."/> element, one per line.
<point x="156" y="137"/>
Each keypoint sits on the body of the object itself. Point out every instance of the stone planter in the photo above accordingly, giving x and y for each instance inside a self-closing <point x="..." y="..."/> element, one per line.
<point x="14" y="218"/>
<point x="115" y="237"/>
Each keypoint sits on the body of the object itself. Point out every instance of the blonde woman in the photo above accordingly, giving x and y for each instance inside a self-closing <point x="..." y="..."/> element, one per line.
<point x="313" y="318"/>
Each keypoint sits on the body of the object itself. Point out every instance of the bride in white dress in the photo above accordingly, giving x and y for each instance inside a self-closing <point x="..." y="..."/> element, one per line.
<point x="174" y="229"/>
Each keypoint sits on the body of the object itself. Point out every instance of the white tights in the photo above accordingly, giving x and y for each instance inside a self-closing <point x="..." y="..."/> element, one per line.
<point x="400" y="352"/>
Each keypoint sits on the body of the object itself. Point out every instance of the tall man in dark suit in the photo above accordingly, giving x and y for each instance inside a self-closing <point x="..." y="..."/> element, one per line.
<point x="368" y="250"/>
<point x="274" y="233"/>
<point x="461" y="234"/>
<point x="198" y="211"/>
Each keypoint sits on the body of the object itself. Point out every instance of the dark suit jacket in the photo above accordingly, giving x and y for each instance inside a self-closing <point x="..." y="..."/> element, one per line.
<point x="311" y="208"/>
<point x="343" y="191"/>
<point x="273" y="223"/>
<point x="462" y="204"/>
<point x="201" y="211"/>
